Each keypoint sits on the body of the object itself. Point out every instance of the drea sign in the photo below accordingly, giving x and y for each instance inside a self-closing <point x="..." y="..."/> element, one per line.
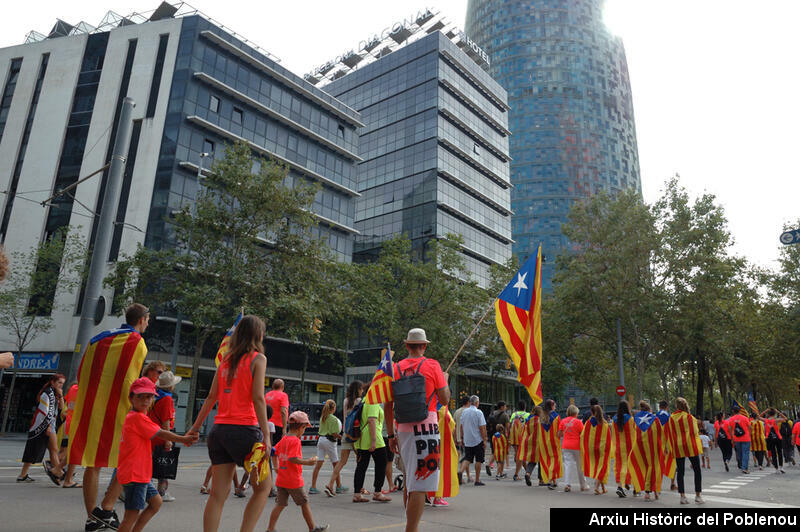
<point x="37" y="361"/>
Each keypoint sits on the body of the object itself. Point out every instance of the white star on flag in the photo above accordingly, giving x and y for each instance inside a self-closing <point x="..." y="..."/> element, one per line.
<point x="520" y="284"/>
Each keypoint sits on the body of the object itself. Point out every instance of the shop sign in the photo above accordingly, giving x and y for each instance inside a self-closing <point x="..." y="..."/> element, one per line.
<point x="183" y="371"/>
<point x="37" y="361"/>
<point x="325" y="388"/>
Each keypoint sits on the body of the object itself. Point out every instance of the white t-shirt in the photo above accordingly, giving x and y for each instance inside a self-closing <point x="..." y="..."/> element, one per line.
<point x="706" y="441"/>
<point x="472" y="420"/>
<point x="271" y="427"/>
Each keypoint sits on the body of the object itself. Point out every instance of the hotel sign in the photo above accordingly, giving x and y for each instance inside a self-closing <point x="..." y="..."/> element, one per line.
<point x="37" y="361"/>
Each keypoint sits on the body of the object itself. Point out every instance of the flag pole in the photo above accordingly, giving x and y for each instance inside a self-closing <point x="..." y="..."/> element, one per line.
<point x="470" y="336"/>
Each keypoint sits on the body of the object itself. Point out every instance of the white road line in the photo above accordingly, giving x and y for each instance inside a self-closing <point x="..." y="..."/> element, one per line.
<point x="714" y="491"/>
<point x="720" y="486"/>
<point x="735" y="482"/>
<point x="746" y="502"/>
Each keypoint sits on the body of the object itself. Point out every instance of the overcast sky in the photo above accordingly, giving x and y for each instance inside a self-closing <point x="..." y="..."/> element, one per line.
<point x="715" y="84"/>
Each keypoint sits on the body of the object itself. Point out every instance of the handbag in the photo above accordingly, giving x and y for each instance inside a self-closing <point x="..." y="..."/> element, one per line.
<point x="165" y="463"/>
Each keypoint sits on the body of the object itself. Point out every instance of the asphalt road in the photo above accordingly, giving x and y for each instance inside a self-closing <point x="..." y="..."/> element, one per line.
<point x="500" y="505"/>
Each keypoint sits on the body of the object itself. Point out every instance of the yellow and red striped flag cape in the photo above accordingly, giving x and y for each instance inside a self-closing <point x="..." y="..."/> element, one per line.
<point x="112" y="361"/>
<point x="683" y="437"/>
<point x="499" y="447"/>
<point x="527" y="440"/>
<point x="548" y="449"/>
<point x="647" y="453"/>
<point x="758" y="441"/>
<point x="668" y="464"/>
<point x="597" y="446"/>
<point x="517" y="424"/>
<point x="623" y="443"/>
<point x="448" y="469"/>
<point x="223" y="346"/>
<point x="518" y="314"/>
<point x="380" y="389"/>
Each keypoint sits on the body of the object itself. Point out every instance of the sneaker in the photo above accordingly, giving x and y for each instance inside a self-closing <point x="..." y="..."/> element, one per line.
<point x="92" y="526"/>
<point x="516" y="478"/>
<point x="438" y="502"/>
<point x="488" y="470"/>
<point x="106" y="517"/>
<point x="342" y="489"/>
<point x="726" y="467"/>
<point x="528" y="480"/>
<point x="479" y="483"/>
<point x="167" y="497"/>
<point x="699" y="500"/>
<point x="782" y="471"/>
<point x="26" y="478"/>
<point x="497" y="477"/>
<point x="684" y="500"/>
<point x="313" y="491"/>
<point x="503" y="475"/>
<point x="329" y="492"/>
<point x="321" y="528"/>
<point x="239" y="493"/>
<point x="621" y="492"/>
<point x="460" y="478"/>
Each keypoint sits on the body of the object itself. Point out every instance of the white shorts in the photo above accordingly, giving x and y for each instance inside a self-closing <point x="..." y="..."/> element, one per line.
<point x="420" y="449"/>
<point x="327" y="447"/>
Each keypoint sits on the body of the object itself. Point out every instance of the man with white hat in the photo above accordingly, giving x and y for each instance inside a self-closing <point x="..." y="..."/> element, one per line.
<point x="417" y="441"/>
<point x="163" y="413"/>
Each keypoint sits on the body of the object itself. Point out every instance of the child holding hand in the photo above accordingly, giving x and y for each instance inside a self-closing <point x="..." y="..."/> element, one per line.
<point x="135" y="467"/>
<point x="289" y="481"/>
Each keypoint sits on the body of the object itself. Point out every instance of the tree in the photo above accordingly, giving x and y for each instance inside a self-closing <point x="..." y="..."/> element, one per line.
<point x="247" y="243"/>
<point x="57" y="261"/>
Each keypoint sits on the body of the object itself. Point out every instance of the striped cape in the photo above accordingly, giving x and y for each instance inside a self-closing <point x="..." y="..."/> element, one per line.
<point x="517" y="424"/>
<point x="499" y="447"/>
<point x="623" y="442"/>
<point x="527" y="440"/>
<point x="448" y="469"/>
<point x="112" y="361"/>
<point x="647" y="453"/>
<point x="549" y="449"/>
<point x="758" y="440"/>
<point x="683" y="437"/>
<point x="597" y="446"/>
<point x="668" y="465"/>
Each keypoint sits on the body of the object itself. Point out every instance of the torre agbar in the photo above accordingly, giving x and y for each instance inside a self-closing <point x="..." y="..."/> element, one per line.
<point x="571" y="111"/>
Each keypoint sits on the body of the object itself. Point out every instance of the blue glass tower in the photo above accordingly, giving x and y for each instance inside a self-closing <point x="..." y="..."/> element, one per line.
<point x="571" y="117"/>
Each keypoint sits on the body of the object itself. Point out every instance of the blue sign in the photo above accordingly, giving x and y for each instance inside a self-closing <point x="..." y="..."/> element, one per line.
<point x="37" y="361"/>
<point x="791" y="237"/>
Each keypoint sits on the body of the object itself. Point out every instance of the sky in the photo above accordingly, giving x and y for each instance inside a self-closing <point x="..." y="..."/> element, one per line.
<point x="715" y="84"/>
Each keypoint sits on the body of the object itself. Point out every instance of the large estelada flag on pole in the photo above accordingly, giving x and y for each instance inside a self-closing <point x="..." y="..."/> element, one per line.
<point x="751" y="402"/>
<point x="518" y="314"/>
<point x="448" y="468"/>
<point x="380" y="389"/>
<point x="112" y="361"/>
<point x="223" y="346"/>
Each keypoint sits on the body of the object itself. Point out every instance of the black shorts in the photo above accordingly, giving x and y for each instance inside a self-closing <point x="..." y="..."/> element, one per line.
<point x="35" y="448"/>
<point x="232" y="443"/>
<point x="475" y="454"/>
<point x="277" y="435"/>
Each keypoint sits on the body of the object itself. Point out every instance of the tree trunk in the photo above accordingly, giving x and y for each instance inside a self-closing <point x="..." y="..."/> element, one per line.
<point x="198" y="352"/>
<point x="710" y="384"/>
<point x="679" y="373"/>
<point x="700" y="380"/>
<point x="640" y="363"/>
<point x="723" y="389"/>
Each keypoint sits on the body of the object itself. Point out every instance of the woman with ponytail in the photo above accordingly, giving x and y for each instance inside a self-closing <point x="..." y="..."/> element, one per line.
<point x="623" y="431"/>
<point x="329" y="434"/>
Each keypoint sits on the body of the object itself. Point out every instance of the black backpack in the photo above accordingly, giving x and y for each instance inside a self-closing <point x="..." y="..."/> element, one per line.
<point x="738" y="431"/>
<point x="410" y="405"/>
<point x="786" y="430"/>
<point x="773" y="434"/>
<point x="722" y="435"/>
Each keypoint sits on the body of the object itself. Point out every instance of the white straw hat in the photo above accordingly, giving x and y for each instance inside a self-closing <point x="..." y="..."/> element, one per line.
<point x="168" y="380"/>
<point x="417" y="336"/>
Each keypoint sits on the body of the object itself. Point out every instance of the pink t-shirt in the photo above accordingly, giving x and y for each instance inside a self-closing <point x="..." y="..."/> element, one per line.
<point x="572" y="427"/>
<point x="276" y="400"/>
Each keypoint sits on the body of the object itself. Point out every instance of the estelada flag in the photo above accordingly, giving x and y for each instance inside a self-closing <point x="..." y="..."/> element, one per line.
<point x="668" y="465"/>
<point x="758" y="441"/>
<point x="623" y="443"/>
<point x="548" y="449"/>
<point x="380" y="389"/>
<point x="518" y="314"/>
<point x="751" y="402"/>
<point x="223" y="346"/>
<point x="112" y="361"/>
<point x="499" y="447"/>
<point x="448" y="469"/>
<point x="597" y="446"/>
<point x="739" y="409"/>
<point x="683" y="437"/>
<point x="517" y="424"/>
<point x="527" y="440"/>
<point x="647" y="453"/>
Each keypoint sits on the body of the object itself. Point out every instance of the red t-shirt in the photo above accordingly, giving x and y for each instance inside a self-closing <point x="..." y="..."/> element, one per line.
<point x="290" y="476"/>
<point x="236" y="398"/>
<point x="770" y="424"/>
<point x="69" y="401"/>
<point x="796" y="433"/>
<point x="744" y="423"/>
<point x="135" y="454"/>
<point x="276" y="399"/>
<point x="572" y="427"/>
<point x="430" y="369"/>
<point x="163" y="410"/>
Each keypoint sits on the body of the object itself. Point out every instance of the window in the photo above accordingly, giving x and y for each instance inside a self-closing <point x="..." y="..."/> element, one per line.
<point x="213" y="105"/>
<point x="208" y="146"/>
<point x="341" y="131"/>
<point x="476" y="149"/>
<point x="237" y="116"/>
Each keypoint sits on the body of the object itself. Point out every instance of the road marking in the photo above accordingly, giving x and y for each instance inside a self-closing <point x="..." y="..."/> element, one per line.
<point x="734" y="482"/>
<point x="749" y="503"/>
<point x="716" y="490"/>
<point x="385" y="527"/>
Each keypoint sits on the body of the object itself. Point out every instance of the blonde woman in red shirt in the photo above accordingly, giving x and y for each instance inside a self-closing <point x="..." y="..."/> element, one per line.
<point x="241" y="422"/>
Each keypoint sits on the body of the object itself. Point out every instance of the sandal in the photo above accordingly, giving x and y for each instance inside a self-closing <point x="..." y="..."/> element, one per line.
<point x="359" y="498"/>
<point x="567" y="489"/>
<point x="597" y="491"/>
<point x="73" y="485"/>
<point x="380" y="497"/>
<point x="204" y="490"/>
<point x="329" y="492"/>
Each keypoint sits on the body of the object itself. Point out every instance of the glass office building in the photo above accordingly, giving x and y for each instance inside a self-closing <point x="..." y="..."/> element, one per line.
<point x="571" y="111"/>
<point x="434" y="149"/>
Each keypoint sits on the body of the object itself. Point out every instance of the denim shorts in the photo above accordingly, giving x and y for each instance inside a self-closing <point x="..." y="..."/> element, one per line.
<point x="137" y="494"/>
